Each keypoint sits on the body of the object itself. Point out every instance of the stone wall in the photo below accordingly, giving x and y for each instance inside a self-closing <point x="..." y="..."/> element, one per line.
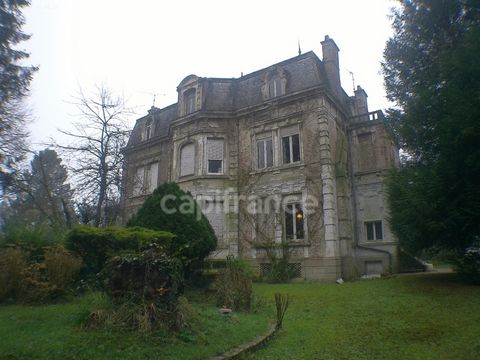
<point x="344" y="157"/>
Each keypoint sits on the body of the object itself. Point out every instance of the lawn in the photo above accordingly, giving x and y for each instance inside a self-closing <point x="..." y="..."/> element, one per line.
<point x="411" y="317"/>
<point x="408" y="317"/>
<point x="54" y="332"/>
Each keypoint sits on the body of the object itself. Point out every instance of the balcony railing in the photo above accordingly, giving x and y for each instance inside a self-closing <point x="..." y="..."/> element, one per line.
<point x="370" y="116"/>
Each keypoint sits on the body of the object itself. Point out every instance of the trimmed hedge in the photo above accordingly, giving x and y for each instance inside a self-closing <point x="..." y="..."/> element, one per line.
<point x="97" y="245"/>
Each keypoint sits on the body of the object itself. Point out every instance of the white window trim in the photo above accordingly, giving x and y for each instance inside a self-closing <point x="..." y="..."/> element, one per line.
<point x="264" y="139"/>
<point x="294" y="200"/>
<point x="290" y="144"/>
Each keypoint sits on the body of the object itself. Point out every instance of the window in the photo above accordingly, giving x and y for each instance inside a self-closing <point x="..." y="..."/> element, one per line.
<point x="374" y="230"/>
<point x="291" y="148"/>
<point x="264" y="153"/>
<point x="294" y="222"/>
<point x="214" y="211"/>
<point x="146" y="179"/>
<point x="190" y="100"/>
<point x="275" y="86"/>
<point x="265" y="220"/>
<point x="366" y="152"/>
<point x="147" y="134"/>
<point x="187" y="160"/>
<point x="138" y="181"/>
<point x="215" y="156"/>
<point x="151" y="176"/>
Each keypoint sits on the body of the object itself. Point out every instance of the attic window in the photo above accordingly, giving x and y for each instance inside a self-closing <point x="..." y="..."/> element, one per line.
<point x="276" y="84"/>
<point x="147" y="134"/>
<point x="189" y="99"/>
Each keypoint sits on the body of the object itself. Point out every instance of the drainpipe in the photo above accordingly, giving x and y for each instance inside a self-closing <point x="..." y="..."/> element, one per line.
<point x="356" y="245"/>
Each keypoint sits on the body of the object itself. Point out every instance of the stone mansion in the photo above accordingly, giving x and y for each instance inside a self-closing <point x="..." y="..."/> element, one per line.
<point x="282" y="138"/>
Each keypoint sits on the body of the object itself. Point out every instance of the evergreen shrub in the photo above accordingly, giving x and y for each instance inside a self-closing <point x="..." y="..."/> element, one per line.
<point x="171" y="209"/>
<point x="96" y="245"/>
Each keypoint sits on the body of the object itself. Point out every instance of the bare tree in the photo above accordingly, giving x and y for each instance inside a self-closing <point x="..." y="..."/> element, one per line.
<point x="96" y="160"/>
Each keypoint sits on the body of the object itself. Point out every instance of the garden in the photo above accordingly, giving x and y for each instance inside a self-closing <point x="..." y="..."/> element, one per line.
<point x="140" y="292"/>
<point x="404" y="317"/>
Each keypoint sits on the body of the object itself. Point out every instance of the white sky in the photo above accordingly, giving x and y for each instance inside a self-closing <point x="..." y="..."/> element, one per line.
<point x="145" y="47"/>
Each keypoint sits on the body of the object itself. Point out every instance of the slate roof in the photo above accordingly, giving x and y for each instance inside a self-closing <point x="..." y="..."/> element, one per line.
<point x="230" y="94"/>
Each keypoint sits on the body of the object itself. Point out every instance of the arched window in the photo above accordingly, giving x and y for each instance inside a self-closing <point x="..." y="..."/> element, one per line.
<point x="187" y="160"/>
<point x="189" y="99"/>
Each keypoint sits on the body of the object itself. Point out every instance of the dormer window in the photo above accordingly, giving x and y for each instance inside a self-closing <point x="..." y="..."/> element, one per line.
<point x="189" y="99"/>
<point x="147" y="133"/>
<point x="275" y="86"/>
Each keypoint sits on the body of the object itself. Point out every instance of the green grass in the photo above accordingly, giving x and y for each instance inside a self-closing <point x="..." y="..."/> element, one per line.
<point x="54" y="332"/>
<point x="411" y="317"/>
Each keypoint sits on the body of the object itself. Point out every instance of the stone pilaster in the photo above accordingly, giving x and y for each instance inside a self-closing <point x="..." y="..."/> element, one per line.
<point x="329" y="192"/>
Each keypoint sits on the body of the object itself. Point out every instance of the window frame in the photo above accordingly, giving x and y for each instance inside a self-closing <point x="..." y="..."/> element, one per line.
<point x="143" y="179"/>
<point x="190" y="101"/>
<point x="372" y="227"/>
<point x="276" y="86"/>
<point x="207" y="162"/>
<point x="264" y="140"/>
<point x="148" y="129"/>
<point x="291" y="155"/>
<point x="297" y="205"/>
<point x="180" y="159"/>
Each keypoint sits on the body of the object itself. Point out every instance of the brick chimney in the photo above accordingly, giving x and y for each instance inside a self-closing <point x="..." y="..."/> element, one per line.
<point x="330" y="60"/>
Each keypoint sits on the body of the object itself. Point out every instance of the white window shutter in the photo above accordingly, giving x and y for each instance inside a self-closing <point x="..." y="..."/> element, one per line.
<point x="153" y="176"/>
<point x="216" y="218"/>
<point x="215" y="149"/>
<point x="187" y="160"/>
<point x="290" y="130"/>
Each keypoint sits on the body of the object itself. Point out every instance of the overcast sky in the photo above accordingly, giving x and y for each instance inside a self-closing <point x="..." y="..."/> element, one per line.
<point x="145" y="47"/>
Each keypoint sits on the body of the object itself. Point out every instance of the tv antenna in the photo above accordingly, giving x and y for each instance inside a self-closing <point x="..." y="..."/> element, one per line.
<point x="353" y="79"/>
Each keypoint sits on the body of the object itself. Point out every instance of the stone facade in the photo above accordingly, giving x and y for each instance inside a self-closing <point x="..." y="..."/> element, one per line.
<point x="259" y="151"/>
